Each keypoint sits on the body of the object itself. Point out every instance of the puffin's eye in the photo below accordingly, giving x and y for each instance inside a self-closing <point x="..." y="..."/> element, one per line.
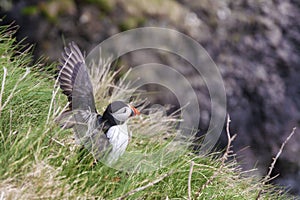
<point x="124" y="111"/>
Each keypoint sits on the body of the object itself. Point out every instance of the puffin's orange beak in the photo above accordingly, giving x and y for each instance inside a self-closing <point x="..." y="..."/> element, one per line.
<point x="134" y="111"/>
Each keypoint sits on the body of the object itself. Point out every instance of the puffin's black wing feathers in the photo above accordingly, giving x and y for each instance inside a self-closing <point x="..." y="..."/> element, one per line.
<point x="74" y="79"/>
<point x="82" y="116"/>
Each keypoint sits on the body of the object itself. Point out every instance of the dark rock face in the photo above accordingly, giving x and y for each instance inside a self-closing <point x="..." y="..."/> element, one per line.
<point x="262" y="89"/>
<point x="256" y="45"/>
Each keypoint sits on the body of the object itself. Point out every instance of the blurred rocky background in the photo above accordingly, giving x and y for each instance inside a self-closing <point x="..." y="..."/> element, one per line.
<point x="255" y="43"/>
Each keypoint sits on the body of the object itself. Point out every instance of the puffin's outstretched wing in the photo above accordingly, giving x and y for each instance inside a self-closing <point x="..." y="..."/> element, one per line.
<point x="75" y="81"/>
<point x="82" y="115"/>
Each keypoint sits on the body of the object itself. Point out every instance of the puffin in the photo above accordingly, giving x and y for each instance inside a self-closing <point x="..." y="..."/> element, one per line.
<point x="106" y="136"/>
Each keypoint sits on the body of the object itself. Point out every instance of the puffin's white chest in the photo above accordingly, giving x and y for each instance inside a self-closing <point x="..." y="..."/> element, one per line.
<point x="118" y="138"/>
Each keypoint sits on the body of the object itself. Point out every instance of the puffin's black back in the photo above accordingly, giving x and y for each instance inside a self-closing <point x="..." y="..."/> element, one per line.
<point x="103" y="124"/>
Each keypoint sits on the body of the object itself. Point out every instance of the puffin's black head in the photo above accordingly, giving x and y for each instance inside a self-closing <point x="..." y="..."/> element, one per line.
<point x="118" y="112"/>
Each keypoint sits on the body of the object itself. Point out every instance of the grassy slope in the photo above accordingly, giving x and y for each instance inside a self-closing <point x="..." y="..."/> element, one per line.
<point x="39" y="160"/>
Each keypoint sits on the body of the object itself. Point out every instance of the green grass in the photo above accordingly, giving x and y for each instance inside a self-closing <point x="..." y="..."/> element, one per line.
<point x="40" y="160"/>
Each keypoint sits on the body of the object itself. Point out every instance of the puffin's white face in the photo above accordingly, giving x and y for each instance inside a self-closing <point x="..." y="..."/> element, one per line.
<point x="123" y="114"/>
<point x="118" y="112"/>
